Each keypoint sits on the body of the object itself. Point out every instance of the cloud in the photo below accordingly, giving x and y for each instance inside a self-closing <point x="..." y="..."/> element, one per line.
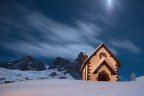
<point x="127" y="45"/>
<point x="43" y="36"/>
<point x="64" y="39"/>
<point x="98" y="12"/>
<point x="30" y="32"/>
<point x="56" y="32"/>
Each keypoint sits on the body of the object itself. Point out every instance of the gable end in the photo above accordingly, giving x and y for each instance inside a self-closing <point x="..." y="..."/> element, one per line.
<point x="94" y="53"/>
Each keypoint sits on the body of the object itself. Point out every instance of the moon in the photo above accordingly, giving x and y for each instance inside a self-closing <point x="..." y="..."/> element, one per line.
<point x="109" y="3"/>
<point x="109" y="6"/>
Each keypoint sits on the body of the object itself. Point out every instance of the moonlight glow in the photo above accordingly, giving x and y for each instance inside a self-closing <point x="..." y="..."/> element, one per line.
<point x="109" y="2"/>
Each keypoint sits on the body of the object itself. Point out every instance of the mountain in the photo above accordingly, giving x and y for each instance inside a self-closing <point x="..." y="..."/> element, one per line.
<point x="71" y="67"/>
<point x="29" y="63"/>
<point x="26" y="63"/>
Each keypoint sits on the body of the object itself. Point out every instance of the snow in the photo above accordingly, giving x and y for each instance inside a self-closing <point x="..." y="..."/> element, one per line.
<point x="47" y="83"/>
<point x="65" y="87"/>
<point x="17" y="75"/>
<point x="140" y="78"/>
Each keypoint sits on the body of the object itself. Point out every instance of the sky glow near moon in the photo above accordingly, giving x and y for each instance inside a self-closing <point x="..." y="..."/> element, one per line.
<point x="109" y="2"/>
<point x="109" y="6"/>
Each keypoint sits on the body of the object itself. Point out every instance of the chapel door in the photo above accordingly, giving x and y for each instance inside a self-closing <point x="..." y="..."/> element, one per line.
<point x="103" y="77"/>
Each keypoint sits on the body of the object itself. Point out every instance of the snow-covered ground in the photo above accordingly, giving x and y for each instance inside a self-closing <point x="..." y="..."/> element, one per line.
<point x="140" y="78"/>
<point x="7" y="75"/>
<point x="52" y="83"/>
<point x="65" y="87"/>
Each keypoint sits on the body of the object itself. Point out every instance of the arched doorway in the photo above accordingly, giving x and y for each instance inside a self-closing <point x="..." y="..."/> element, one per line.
<point x="103" y="76"/>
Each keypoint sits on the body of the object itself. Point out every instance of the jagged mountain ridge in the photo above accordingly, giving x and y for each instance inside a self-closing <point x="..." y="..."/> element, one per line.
<point x="72" y="67"/>
<point x="26" y="63"/>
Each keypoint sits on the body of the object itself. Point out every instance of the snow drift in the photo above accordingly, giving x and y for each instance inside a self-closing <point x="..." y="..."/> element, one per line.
<point x="63" y="87"/>
<point x="140" y="78"/>
<point x="8" y="76"/>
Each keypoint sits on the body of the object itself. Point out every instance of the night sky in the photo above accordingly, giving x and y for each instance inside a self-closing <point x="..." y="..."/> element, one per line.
<point x="50" y="28"/>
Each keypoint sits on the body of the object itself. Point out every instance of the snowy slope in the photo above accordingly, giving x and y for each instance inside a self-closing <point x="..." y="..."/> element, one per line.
<point x="57" y="87"/>
<point x="140" y="78"/>
<point x="17" y="75"/>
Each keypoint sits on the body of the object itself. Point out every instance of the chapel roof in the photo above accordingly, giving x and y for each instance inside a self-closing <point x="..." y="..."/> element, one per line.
<point x="97" y="49"/>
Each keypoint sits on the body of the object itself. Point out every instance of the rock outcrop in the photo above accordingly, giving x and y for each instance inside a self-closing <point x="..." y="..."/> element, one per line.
<point x="26" y="63"/>
<point x="71" y="67"/>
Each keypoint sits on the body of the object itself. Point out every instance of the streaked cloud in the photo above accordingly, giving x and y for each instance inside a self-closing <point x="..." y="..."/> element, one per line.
<point x="43" y="36"/>
<point x="126" y="44"/>
<point x="30" y="32"/>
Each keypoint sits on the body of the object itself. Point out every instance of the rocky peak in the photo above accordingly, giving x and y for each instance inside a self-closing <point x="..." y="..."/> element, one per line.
<point x="73" y="68"/>
<point x="59" y="63"/>
<point x="27" y="58"/>
<point x="26" y="63"/>
<point x="80" y="58"/>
